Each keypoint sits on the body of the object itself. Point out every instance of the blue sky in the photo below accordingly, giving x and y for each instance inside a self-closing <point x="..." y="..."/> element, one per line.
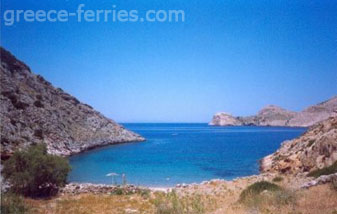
<point x="233" y="56"/>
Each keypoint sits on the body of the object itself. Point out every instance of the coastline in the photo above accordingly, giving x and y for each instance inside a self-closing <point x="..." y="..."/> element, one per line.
<point x="101" y="146"/>
<point x="99" y="187"/>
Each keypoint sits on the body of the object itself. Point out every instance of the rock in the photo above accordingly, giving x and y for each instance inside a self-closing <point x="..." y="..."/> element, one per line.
<point x="129" y="211"/>
<point x="79" y="188"/>
<point x="276" y="116"/>
<point x="224" y="119"/>
<point x="4" y="185"/>
<point x="315" y="149"/>
<point x="320" y="180"/>
<point x="33" y="111"/>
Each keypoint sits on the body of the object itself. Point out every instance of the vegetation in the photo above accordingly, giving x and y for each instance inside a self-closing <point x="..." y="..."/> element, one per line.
<point x="12" y="204"/>
<point x="264" y="195"/>
<point x="257" y="188"/>
<point x="324" y="171"/>
<point x="171" y="203"/>
<point x="124" y="190"/>
<point x="35" y="173"/>
<point x="119" y="191"/>
<point x="91" y="204"/>
<point x="278" y="179"/>
<point x="213" y="199"/>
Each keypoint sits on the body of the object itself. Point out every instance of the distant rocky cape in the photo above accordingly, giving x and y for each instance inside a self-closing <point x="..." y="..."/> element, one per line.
<point x="33" y="111"/>
<point x="276" y="116"/>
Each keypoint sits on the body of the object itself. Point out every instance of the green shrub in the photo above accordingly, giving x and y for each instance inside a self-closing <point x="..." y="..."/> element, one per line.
<point x="118" y="191"/>
<point x="262" y="195"/>
<point x="33" y="172"/>
<point x="324" y="171"/>
<point x="277" y="179"/>
<point x="257" y="188"/>
<point x="12" y="204"/>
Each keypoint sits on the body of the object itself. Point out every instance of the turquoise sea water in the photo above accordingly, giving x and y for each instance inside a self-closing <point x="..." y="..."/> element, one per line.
<point x="181" y="153"/>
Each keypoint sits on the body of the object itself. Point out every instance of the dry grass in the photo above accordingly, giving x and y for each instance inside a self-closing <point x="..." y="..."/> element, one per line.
<point x="317" y="200"/>
<point x="172" y="203"/>
<point x="92" y="204"/>
<point x="213" y="198"/>
<point x="320" y="199"/>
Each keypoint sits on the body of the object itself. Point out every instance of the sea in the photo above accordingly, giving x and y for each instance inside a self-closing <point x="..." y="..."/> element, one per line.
<point x="176" y="153"/>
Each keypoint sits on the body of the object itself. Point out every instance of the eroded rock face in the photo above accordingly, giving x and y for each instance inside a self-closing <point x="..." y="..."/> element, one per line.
<point x="315" y="149"/>
<point x="276" y="116"/>
<point x="33" y="111"/>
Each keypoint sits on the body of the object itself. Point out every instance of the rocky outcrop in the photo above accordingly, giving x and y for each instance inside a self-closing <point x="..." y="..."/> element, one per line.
<point x="315" y="149"/>
<point x="320" y="180"/>
<point x="276" y="116"/>
<point x="224" y="119"/>
<point x="33" y="111"/>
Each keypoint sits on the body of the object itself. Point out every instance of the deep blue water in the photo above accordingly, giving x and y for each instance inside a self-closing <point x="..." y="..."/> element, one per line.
<point x="181" y="153"/>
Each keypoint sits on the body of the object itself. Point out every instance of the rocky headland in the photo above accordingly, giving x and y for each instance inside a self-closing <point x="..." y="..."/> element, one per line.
<point x="32" y="111"/>
<point x="315" y="149"/>
<point x="276" y="116"/>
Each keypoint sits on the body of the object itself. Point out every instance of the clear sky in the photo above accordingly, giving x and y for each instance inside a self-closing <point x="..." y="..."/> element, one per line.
<point x="232" y="56"/>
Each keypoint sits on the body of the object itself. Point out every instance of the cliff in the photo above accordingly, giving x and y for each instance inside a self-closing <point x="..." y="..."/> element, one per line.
<point x="33" y="111"/>
<point x="315" y="149"/>
<point x="276" y="116"/>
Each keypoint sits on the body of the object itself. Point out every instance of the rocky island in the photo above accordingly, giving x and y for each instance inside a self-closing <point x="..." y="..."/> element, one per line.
<point x="34" y="111"/>
<point x="276" y="116"/>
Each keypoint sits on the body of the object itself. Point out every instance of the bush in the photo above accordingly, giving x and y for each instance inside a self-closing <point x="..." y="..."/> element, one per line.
<point x="257" y="188"/>
<point x="33" y="172"/>
<point x="12" y="204"/>
<point x="277" y="179"/>
<point x="324" y="171"/>
<point x="118" y="191"/>
<point x="262" y="196"/>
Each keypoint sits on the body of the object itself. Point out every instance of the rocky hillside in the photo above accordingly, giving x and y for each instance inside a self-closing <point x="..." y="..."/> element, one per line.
<point x="315" y="113"/>
<point x="315" y="149"/>
<point x="276" y="116"/>
<point x="33" y="111"/>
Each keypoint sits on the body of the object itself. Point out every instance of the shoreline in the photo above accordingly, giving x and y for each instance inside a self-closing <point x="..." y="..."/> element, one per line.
<point x="84" y="185"/>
